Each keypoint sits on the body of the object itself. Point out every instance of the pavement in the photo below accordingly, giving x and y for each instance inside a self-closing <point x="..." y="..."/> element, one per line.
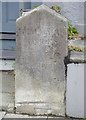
<point x="9" y="116"/>
<point x="2" y="115"/>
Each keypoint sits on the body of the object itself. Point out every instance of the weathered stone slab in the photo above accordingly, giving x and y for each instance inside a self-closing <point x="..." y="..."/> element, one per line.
<point x="77" y="51"/>
<point x="77" y="43"/>
<point x="40" y="70"/>
<point x="77" y="57"/>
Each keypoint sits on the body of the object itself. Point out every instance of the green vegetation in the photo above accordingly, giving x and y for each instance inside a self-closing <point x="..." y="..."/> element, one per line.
<point x="35" y="6"/>
<point x="72" y="32"/>
<point x="76" y="48"/>
<point x="56" y="8"/>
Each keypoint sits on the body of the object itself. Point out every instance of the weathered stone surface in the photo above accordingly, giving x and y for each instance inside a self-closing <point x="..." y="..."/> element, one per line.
<point x="7" y="101"/>
<point x="26" y="108"/>
<point x="7" y="90"/>
<point x="73" y="12"/>
<point x="77" y="50"/>
<point x="77" y="43"/>
<point x="77" y="57"/>
<point x="15" y="116"/>
<point x="40" y="70"/>
<point x="2" y="114"/>
<point x="7" y="65"/>
<point x="21" y="117"/>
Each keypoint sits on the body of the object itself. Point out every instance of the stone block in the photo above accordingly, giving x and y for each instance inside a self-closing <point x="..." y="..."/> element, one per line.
<point x="7" y="90"/>
<point x="40" y="69"/>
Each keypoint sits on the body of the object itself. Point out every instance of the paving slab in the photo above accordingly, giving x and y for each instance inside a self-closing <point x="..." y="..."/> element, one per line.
<point x="2" y="114"/>
<point x="27" y="117"/>
<point x="15" y="116"/>
<point x="24" y="116"/>
<point x="62" y="118"/>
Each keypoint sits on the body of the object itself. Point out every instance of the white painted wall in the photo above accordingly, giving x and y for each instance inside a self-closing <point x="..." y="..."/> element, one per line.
<point x="75" y="90"/>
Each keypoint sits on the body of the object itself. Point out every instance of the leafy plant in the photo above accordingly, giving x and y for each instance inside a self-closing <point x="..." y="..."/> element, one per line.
<point x="72" y="32"/>
<point x="56" y="8"/>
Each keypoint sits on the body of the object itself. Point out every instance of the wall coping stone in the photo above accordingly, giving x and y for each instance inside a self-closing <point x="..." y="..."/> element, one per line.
<point x="77" y="51"/>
